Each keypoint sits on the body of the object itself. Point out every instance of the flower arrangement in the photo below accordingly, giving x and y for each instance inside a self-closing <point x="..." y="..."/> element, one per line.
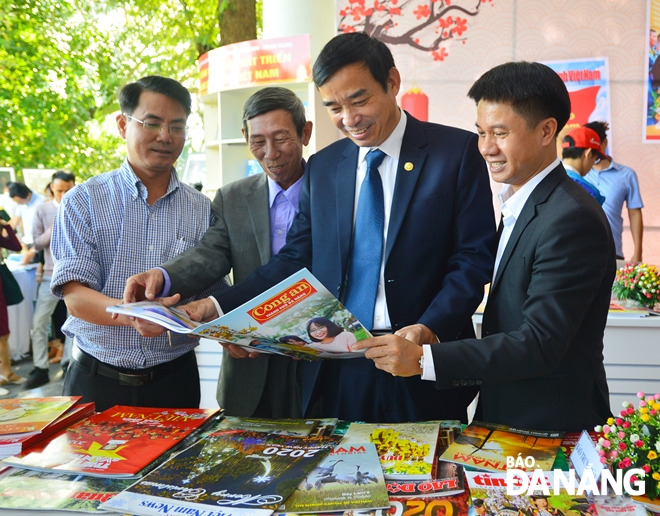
<point x="631" y="440"/>
<point x="638" y="282"/>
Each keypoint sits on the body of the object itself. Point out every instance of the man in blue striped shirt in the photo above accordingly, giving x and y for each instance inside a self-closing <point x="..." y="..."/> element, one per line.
<point x="116" y="225"/>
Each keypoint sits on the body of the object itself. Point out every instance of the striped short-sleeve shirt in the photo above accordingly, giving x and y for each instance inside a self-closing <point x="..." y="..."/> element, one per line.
<point x="104" y="232"/>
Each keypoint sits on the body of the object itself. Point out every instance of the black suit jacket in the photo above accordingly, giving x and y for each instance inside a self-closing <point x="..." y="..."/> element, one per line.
<point x="540" y="359"/>
<point x="438" y="256"/>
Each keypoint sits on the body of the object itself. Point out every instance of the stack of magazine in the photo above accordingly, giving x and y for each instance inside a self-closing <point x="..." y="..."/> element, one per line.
<point x="26" y="421"/>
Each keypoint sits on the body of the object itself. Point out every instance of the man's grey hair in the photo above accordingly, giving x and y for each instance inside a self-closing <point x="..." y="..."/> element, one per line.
<point x="271" y="99"/>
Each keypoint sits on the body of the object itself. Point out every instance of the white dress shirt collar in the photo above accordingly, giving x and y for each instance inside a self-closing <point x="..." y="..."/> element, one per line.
<point x="515" y="201"/>
<point x="391" y="146"/>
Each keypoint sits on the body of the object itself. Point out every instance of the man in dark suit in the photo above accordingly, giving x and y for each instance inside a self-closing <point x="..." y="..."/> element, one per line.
<point x="421" y="269"/>
<point x="253" y="217"/>
<point x="540" y="360"/>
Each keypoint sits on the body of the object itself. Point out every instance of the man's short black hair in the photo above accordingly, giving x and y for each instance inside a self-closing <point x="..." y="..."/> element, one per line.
<point x="271" y="99"/>
<point x="129" y="95"/>
<point x="63" y="176"/>
<point x="17" y="189"/>
<point x="354" y="48"/>
<point x="571" y="152"/>
<point x="534" y="90"/>
<point x="600" y="128"/>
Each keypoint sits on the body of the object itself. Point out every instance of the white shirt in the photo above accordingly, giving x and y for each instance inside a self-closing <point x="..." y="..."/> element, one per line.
<point x="512" y="205"/>
<point x="387" y="170"/>
<point x="27" y="213"/>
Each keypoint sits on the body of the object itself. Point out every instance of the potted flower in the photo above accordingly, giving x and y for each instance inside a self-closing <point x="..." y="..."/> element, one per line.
<point x="630" y="440"/>
<point x="638" y="282"/>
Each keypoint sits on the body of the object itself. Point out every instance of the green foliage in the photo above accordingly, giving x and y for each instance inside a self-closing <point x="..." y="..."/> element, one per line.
<point x="63" y="61"/>
<point x="47" y="50"/>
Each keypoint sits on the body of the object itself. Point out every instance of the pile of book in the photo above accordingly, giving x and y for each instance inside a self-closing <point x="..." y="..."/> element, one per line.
<point x="147" y="461"/>
<point x="89" y="461"/>
<point x="156" y="461"/>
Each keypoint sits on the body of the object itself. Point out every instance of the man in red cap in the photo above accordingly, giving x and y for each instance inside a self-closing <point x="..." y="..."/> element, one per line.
<point x="580" y="150"/>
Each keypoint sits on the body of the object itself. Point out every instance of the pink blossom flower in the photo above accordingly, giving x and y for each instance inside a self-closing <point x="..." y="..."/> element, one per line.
<point x="622" y="446"/>
<point x="642" y="403"/>
<point x="618" y="421"/>
<point x="603" y="460"/>
<point x="646" y="468"/>
<point x="621" y="435"/>
<point x="606" y="443"/>
<point x="626" y="424"/>
<point x="614" y="454"/>
<point x="640" y="395"/>
<point x="630" y="410"/>
<point x="639" y="443"/>
<point x="606" y="429"/>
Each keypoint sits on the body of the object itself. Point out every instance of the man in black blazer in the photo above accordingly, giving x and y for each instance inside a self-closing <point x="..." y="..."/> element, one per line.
<point x="439" y="233"/>
<point x="540" y="359"/>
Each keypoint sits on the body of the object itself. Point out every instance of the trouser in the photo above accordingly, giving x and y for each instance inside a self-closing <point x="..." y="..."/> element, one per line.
<point x="46" y="303"/>
<point x="173" y="384"/>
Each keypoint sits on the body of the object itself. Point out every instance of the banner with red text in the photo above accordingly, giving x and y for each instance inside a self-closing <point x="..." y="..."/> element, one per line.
<point x="255" y="63"/>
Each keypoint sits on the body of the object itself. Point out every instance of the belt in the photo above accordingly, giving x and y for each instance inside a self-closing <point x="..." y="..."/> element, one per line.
<point x="132" y="378"/>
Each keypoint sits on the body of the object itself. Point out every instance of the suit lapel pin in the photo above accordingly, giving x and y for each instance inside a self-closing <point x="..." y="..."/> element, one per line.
<point x="408" y="166"/>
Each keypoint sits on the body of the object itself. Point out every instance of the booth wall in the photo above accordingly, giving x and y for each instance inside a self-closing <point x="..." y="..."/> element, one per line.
<point x="546" y="30"/>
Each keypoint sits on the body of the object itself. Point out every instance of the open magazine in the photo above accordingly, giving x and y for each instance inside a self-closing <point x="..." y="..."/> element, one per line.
<point x="298" y="317"/>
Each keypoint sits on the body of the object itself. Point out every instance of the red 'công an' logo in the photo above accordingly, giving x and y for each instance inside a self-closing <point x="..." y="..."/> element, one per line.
<point x="282" y="301"/>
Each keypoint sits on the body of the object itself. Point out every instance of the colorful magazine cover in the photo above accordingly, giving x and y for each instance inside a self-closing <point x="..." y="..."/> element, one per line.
<point x="455" y="505"/>
<point x="233" y="472"/>
<point x="24" y="489"/>
<point x="298" y="317"/>
<point x="449" y="480"/>
<point x="617" y="505"/>
<point x="490" y="498"/>
<point x="284" y="427"/>
<point x="349" y="478"/>
<point x="406" y="450"/>
<point x="118" y="442"/>
<point x="23" y="415"/>
<point x="15" y="444"/>
<point x="486" y="446"/>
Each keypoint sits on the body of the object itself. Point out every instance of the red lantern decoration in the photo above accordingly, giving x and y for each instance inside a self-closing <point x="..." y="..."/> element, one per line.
<point x="416" y="103"/>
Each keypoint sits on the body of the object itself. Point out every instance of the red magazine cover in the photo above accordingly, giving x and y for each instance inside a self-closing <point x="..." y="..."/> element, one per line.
<point x="22" y="415"/>
<point x="118" y="442"/>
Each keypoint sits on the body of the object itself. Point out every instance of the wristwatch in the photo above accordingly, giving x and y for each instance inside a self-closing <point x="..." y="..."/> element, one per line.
<point x="421" y="361"/>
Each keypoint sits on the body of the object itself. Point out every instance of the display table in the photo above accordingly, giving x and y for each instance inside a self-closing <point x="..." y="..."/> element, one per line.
<point x="631" y="356"/>
<point x="20" y="315"/>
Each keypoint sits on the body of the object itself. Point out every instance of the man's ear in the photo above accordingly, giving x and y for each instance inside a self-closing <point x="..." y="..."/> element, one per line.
<point x="548" y="129"/>
<point x="121" y="124"/>
<point x="307" y="132"/>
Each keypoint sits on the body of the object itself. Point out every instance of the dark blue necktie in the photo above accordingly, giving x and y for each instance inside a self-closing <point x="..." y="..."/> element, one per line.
<point x="367" y="250"/>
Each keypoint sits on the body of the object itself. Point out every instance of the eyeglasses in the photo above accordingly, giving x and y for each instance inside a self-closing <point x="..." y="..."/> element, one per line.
<point x="175" y="130"/>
